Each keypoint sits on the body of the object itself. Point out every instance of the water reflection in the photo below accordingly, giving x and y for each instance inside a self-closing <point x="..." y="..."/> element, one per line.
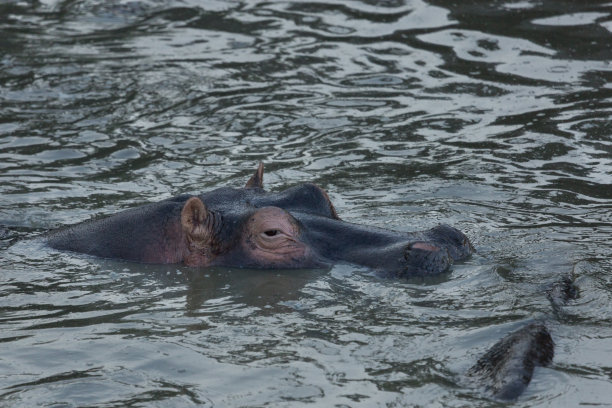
<point x="260" y="289"/>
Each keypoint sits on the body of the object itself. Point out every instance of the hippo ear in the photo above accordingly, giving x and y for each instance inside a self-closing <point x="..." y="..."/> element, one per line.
<point x="257" y="179"/>
<point x="194" y="218"/>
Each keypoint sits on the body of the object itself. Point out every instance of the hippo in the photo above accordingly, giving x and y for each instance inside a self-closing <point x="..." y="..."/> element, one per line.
<point x="252" y="228"/>
<point x="298" y="228"/>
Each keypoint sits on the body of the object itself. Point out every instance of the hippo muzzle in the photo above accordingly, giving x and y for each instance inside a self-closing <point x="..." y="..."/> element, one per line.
<point x="399" y="254"/>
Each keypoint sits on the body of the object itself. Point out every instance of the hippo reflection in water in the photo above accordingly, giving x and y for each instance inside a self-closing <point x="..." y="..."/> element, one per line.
<point x="249" y="227"/>
<point x="296" y="228"/>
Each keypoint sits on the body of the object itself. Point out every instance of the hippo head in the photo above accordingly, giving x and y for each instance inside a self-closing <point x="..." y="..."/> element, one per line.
<point x="252" y="228"/>
<point x="299" y="228"/>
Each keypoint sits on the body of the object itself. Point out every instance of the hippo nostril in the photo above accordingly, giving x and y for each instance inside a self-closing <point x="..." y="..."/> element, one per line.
<point x="453" y="240"/>
<point x="423" y="246"/>
<point x="424" y="259"/>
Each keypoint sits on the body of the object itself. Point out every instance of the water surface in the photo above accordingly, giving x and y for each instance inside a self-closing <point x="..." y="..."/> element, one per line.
<point x="494" y="117"/>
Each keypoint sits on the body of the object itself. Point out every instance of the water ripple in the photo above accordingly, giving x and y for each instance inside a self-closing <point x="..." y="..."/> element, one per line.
<point x="491" y="117"/>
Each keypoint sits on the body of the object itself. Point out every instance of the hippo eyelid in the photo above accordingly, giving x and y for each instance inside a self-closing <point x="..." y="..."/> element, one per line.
<point x="271" y="232"/>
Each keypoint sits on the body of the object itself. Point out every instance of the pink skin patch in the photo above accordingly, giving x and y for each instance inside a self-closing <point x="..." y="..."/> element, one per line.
<point x="271" y="238"/>
<point x="425" y="246"/>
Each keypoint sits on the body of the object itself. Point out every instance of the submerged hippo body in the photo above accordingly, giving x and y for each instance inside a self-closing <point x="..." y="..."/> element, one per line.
<point x="249" y="227"/>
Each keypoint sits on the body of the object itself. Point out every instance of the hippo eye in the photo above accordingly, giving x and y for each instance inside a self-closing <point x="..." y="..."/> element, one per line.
<point x="272" y="229"/>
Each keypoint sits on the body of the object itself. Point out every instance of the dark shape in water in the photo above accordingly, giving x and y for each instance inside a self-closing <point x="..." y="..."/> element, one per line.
<point x="562" y="291"/>
<point x="506" y="369"/>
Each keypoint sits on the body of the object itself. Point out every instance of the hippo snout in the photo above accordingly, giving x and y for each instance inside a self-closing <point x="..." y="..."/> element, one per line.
<point x="434" y="251"/>
<point x="454" y="241"/>
<point x="425" y="259"/>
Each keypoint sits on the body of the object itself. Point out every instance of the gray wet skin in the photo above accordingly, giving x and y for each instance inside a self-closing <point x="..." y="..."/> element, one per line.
<point x="250" y="227"/>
